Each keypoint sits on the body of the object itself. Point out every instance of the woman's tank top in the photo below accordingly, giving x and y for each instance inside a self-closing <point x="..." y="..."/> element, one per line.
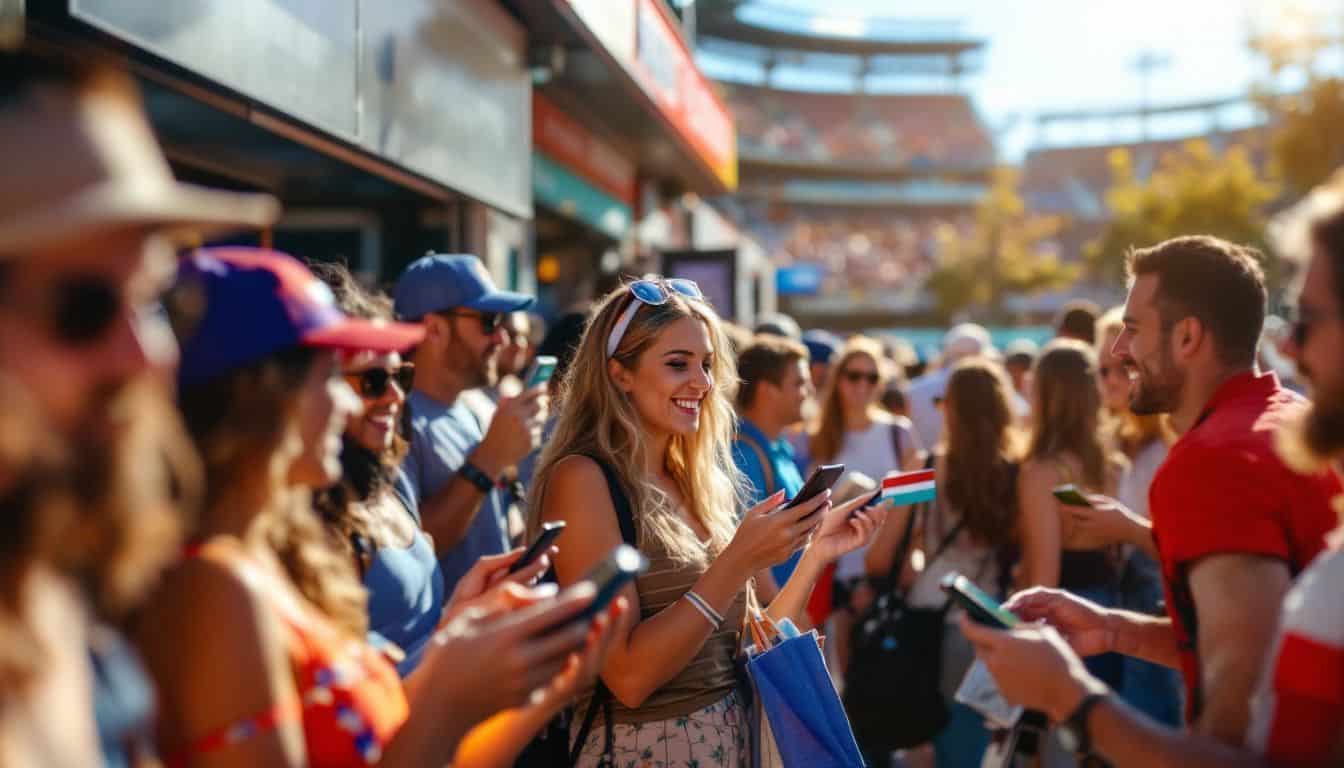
<point x="350" y="699"/>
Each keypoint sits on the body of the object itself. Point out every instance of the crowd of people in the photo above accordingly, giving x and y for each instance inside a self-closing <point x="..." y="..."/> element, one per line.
<point x="259" y="514"/>
<point x="905" y="130"/>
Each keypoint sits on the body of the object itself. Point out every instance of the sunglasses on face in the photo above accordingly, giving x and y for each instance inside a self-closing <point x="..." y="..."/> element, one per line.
<point x="854" y="377"/>
<point x="76" y="310"/>
<point x="654" y="292"/>
<point x="490" y="321"/>
<point x="372" y="384"/>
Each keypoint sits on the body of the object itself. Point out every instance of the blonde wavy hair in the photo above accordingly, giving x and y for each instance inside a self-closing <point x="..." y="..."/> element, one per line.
<point x="1066" y="418"/>
<point x="598" y="420"/>
<point x="829" y="436"/>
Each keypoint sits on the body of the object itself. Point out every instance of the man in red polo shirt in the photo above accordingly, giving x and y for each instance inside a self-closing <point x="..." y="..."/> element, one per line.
<point x="1233" y="524"/>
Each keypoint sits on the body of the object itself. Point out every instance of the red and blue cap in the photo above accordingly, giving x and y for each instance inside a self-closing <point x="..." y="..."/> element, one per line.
<point x="254" y="302"/>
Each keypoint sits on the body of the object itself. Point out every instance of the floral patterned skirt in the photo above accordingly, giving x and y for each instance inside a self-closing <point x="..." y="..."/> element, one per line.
<point x="714" y="736"/>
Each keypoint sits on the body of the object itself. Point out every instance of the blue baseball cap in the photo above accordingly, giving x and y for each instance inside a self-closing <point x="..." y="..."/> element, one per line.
<point x="438" y="281"/>
<point x="821" y="345"/>
<point x="243" y="304"/>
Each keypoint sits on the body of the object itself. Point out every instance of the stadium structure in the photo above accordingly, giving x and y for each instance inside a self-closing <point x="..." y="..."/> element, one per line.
<point x="857" y="149"/>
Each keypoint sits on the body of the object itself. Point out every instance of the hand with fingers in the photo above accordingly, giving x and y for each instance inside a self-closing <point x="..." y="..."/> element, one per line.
<point x="1108" y="520"/>
<point x="846" y="528"/>
<point x="485" y="661"/>
<point x="770" y="533"/>
<point x="480" y="585"/>
<point x="582" y="669"/>
<point x="515" y="430"/>
<point x="1085" y="625"/>
<point x="1033" y="667"/>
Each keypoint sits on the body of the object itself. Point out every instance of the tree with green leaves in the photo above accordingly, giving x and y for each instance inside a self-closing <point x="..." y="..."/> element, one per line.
<point x="1193" y="191"/>
<point x="1008" y="251"/>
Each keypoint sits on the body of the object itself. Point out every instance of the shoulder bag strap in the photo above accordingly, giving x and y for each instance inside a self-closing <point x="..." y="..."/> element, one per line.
<point x="601" y="694"/>
<point x="903" y="550"/>
<point x="767" y="469"/>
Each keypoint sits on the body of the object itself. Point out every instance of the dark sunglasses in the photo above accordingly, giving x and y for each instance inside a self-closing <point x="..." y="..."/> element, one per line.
<point x="373" y="383"/>
<point x="1302" y="320"/>
<point x="854" y="377"/>
<point x="78" y="310"/>
<point x="490" y="321"/>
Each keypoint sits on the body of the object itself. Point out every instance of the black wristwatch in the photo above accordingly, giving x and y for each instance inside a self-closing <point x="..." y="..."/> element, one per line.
<point x="476" y="477"/>
<point x="1073" y="733"/>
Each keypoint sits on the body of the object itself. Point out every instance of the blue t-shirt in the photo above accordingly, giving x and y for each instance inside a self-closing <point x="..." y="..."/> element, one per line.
<point x="123" y="697"/>
<point x="442" y="437"/>
<point x="786" y="476"/>
<point x="406" y="594"/>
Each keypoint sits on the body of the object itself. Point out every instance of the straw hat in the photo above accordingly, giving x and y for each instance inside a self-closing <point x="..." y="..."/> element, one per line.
<point x="81" y="160"/>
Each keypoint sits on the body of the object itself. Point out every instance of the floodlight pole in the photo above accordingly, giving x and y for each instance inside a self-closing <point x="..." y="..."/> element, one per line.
<point x="1145" y="64"/>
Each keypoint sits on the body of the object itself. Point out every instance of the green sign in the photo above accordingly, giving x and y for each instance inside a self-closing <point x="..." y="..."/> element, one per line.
<point x="557" y="188"/>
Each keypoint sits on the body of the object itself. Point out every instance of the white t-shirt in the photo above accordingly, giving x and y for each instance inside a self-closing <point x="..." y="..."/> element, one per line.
<point x="1134" y="483"/>
<point x="870" y="451"/>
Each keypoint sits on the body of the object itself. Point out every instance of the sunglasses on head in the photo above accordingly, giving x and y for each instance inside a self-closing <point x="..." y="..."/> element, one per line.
<point x="655" y="292"/>
<point x="490" y="321"/>
<point x="854" y="377"/>
<point x="373" y="383"/>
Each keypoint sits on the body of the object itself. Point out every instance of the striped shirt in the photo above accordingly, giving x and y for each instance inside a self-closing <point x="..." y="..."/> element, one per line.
<point x="1297" y="714"/>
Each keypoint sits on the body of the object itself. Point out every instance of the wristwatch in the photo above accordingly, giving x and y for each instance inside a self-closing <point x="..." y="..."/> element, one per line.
<point x="1073" y="733"/>
<point x="476" y="477"/>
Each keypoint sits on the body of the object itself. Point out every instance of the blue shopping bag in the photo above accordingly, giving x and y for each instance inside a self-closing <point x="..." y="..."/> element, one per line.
<point x="805" y="714"/>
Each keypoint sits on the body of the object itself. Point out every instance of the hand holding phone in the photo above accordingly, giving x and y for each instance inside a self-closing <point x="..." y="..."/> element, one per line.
<point x="549" y="533"/>
<point x="610" y="575"/>
<point x="822" y="478"/>
<point x="540" y="371"/>
<point x="979" y="606"/>
<point x="1069" y="494"/>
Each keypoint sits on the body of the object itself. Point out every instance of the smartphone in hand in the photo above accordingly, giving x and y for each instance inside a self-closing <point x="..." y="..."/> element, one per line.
<point x="539" y="372"/>
<point x="822" y="478"/>
<point x="549" y="533"/>
<point x="981" y="607"/>
<point x="610" y="576"/>
<point x="1069" y="494"/>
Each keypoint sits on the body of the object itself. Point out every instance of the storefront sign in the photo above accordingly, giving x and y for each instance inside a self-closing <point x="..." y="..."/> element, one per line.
<point x="567" y="142"/>
<point x="666" y="71"/>
<point x="557" y="188"/>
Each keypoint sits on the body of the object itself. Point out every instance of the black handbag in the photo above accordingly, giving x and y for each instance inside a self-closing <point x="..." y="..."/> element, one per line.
<point x="892" y="684"/>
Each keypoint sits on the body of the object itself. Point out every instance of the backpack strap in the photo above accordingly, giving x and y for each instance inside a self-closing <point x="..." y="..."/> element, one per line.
<point x="601" y="694"/>
<point x="767" y="469"/>
<point x="896" y="442"/>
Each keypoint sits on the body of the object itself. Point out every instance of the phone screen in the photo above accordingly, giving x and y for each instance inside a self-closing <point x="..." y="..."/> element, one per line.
<point x="979" y="605"/>
<point x="1069" y="494"/>
<point x="549" y="533"/>
<point x="540" y="371"/>
<point x="609" y="576"/>
<point x="824" y="477"/>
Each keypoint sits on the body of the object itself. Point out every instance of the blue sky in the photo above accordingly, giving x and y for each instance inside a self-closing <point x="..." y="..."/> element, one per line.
<point x="1047" y="55"/>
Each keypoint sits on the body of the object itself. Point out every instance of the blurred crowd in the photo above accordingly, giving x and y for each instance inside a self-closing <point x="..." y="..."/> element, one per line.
<point x="917" y="131"/>
<point x="259" y="514"/>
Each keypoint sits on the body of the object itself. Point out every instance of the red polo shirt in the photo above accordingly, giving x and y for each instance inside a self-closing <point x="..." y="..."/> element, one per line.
<point x="1224" y="490"/>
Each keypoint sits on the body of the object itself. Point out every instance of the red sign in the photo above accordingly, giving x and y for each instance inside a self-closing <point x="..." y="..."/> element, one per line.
<point x="567" y="142"/>
<point x="665" y="69"/>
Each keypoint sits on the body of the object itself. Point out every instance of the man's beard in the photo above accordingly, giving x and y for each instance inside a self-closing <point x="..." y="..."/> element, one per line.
<point x="1155" y="392"/>
<point x="1319" y="436"/>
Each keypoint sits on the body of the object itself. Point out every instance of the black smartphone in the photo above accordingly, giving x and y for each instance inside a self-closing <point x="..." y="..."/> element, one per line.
<point x="981" y="607"/>
<point x="549" y="533"/>
<point x="822" y="478"/>
<point x="609" y="576"/>
<point x="1069" y="494"/>
<point x="539" y="372"/>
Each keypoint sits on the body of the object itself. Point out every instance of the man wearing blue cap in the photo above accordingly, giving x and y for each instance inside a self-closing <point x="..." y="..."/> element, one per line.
<point x="456" y="463"/>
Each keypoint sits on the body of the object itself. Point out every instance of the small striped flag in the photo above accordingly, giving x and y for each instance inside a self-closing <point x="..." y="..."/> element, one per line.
<point x="902" y="488"/>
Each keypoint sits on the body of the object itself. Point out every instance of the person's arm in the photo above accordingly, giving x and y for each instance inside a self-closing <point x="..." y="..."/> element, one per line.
<point x="1039" y="521"/>
<point x="514" y="431"/>
<point x="1237" y="600"/>
<point x="648" y="652"/>
<point x="880" y="559"/>
<point x="1091" y="629"/>
<point x="1034" y="667"/>
<point x="844" y="529"/>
